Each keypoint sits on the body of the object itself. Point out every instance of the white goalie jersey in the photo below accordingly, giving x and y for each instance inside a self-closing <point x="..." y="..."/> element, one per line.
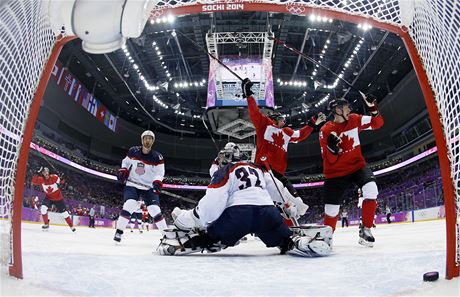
<point x="240" y="183"/>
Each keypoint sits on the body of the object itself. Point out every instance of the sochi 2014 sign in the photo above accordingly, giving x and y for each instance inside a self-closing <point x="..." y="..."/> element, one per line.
<point x="222" y="7"/>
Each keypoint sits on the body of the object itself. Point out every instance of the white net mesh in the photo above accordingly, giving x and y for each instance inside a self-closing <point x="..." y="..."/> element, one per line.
<point x="25" y="44"/>
<point x="26" y="40"/>
<point x="435" y="31"/>
<point x="436" y="34"/>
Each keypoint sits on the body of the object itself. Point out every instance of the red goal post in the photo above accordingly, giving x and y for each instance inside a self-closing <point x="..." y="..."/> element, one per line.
<point x="429" y="30"/>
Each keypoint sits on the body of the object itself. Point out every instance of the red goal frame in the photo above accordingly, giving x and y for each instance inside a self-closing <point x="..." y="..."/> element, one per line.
<point x="452" y="267"/>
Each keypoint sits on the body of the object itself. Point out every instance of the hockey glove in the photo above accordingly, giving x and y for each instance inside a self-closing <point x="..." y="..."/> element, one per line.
<point x="371" y="105"/>
<point x="186" y="220"/>
<point x="157" y="185"/>
<point x="122" y="175"/>
<point x="316" y="120"/>
<point x="246" y="87"/>
<point x="333" y="142"/>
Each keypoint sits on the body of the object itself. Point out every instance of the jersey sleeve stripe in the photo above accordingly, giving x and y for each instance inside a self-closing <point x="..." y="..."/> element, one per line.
<point x="147" y="162"/>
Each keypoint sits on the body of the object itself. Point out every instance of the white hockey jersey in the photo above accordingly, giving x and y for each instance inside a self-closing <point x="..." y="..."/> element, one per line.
<point x="144" y="169"/>
<point x="240" y="183"/>
<point x="214" y="167"/>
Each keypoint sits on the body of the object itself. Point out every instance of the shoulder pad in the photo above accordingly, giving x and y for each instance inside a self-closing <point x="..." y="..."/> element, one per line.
<point x="134" y="151"/>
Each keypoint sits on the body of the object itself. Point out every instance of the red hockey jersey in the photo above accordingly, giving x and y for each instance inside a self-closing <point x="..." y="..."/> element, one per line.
<point x="50" y="186"/>
<point x="350" y="158"/>
<point x="272" y="141"/>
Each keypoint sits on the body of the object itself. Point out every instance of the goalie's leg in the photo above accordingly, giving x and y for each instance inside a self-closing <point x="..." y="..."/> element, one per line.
<point x="312" y="241"/>
<point x="177" y="242"/>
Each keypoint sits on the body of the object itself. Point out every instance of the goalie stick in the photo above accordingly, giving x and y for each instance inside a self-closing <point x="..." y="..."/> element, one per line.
<point x="264" y="160"/>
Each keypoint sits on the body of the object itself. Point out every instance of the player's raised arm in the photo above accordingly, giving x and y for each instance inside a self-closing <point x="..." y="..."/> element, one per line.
<point x="314" y="123"/>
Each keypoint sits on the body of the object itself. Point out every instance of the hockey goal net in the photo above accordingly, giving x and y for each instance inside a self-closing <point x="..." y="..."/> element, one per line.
<point x="429" y="28"/>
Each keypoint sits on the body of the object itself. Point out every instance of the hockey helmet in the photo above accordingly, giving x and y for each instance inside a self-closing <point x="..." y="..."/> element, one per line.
<point x="43" y="171"/>
<point x="147" y="133"/>
<point x="337" y="103"/>
<point x="276" y="116"/>
<point x="225" y="157"/>
<point x="235" y="148"/>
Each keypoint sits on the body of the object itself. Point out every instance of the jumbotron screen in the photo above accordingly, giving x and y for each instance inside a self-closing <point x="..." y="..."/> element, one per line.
<point x="255" y="68"/>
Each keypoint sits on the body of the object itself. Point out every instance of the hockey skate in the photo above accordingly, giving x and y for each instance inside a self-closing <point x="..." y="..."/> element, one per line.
<point x="118" y="235"/>
<point x="45" y="227"/>
<point x="73" y="229"/>
<point x="365" y="236"/>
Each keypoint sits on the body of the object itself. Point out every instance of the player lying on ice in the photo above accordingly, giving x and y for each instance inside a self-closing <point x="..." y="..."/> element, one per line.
<point x="239" y="201"/>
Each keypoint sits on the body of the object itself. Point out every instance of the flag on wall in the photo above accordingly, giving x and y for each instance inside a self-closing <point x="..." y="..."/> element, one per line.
<point x="112" y="123"/>
<point x="100" y="113"/>
<point x="82" y="96"/>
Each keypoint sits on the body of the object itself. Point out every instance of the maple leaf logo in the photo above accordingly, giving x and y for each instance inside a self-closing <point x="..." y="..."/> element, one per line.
<point x="49" y="189"/>
<point x="347" y="143"/>
<point x="278" y="139"/>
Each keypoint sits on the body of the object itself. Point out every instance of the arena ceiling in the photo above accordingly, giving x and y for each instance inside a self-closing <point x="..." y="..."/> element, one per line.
<point x="152" y="73"/>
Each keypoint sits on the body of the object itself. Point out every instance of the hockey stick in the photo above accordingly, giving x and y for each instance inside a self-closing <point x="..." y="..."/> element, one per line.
<point x="209" y="131"/>
<point x="316" y="63"/>
<point x="210" y="55"/>
<point x="163" y="192"/>
<point x="264" y="160"/>
<point x="51" y="165"/>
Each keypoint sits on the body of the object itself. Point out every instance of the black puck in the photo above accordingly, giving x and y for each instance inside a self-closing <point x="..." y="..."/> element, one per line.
<point x="431" y="276"/>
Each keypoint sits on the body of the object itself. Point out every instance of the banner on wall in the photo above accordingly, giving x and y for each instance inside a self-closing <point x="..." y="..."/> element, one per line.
<point x="82" y="96"/>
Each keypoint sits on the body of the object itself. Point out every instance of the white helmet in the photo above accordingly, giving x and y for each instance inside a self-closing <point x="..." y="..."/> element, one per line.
<point x="147" y="133"/>
<point x="236" y="150"/>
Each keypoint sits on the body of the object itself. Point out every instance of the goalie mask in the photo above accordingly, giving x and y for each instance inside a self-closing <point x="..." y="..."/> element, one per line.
<point x="225" y="157"/>
<point x="235" y="148"/>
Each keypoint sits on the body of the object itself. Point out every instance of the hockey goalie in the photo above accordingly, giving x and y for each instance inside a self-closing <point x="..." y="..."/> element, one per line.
<point x="238" y="202"/>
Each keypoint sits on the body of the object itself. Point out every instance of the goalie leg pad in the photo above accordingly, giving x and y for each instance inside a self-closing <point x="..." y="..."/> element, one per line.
<point x="310" y="247"/>
<point x="321" y="232"/>
<point x="179" y="242"/>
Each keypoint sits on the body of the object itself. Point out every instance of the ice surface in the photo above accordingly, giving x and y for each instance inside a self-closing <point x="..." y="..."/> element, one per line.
<point x="88" y="263"/>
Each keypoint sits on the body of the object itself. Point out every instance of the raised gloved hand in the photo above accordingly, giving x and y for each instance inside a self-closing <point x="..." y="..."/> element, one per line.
<point x="246" y="87"/>
<point x="186" y="219"/>
<point x="333" y="142"/>
<point x="122" y="175"/>
<point x="316" y="120"/>
<point x="371" y="104"/>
